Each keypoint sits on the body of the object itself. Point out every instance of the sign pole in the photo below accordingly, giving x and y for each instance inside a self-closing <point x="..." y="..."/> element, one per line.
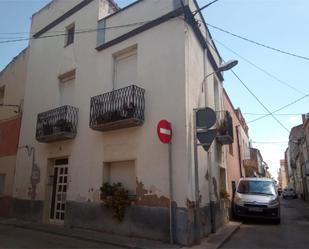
<point x="171" y="193"/>
<point x="164" y="130"/>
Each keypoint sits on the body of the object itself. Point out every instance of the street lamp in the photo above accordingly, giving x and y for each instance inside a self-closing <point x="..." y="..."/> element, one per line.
<point x="227" y="65"/>
<point x="223" y="67"/>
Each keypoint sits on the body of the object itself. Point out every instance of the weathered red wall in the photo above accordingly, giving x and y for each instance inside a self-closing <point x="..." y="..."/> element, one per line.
<point x="9" y="136"/>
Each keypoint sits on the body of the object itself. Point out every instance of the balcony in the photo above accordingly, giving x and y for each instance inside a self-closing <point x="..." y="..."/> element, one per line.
<point x="121" y="108"/>
<point x="57" y="124"/>
<point x="225" y="130"/>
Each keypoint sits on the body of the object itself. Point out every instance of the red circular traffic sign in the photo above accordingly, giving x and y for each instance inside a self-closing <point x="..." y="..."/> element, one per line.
<point x="164" y="130"/>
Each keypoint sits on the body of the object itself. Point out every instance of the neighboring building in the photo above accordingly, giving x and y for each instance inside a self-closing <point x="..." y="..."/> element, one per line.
<point x="12" y="87"/>
<point x="93" y="101"/>
<point x="298" y="165"/>
<point x="255" y="166"/>
<point x="305" y="156"/>
<point x="239" y="150"/>
<point x="283" y="174"/>
<point x="295" y="138"/>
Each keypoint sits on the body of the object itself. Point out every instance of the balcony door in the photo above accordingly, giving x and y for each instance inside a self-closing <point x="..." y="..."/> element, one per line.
<point x="125" y="73"/>
<point x="59" y="191"/>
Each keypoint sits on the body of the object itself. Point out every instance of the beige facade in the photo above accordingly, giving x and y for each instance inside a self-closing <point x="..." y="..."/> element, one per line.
<point x="160" y="54"/>
<point x="239" y="150"/>
<point x="12" y="87"/>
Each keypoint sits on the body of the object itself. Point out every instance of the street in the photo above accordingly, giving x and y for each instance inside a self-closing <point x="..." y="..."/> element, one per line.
<point x="293" y="232"/>
<point x="12" y="237"/>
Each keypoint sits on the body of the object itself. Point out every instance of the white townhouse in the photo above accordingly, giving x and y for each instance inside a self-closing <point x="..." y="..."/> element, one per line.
<point x="99" y="80"/>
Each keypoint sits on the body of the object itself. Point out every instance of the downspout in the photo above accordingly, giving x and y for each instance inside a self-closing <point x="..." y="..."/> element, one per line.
<point x="238" y="148"/>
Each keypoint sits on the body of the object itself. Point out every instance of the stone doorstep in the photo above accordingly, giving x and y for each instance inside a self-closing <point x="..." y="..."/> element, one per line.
<point x="215" y="240"/>
<point x="89" y="235"/>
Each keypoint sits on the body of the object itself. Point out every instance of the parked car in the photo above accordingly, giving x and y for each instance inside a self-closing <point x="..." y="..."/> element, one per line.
<point x="289" y="193"/>
<point x="256" y="197"/>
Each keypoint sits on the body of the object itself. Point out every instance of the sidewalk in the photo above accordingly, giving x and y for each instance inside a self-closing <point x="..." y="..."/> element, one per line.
<point x="213" y="241"/>
<point x="89" y="235"/>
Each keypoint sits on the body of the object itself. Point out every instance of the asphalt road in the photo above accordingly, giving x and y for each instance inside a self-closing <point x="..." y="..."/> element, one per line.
<point x="12" y="237"/>
<point x="293" y="232"/>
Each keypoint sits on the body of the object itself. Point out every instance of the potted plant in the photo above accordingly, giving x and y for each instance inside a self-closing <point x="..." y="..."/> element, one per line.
<point x="47" y="128"/>
<point x="222" y="127"/>
<point x="64" y="125"/>
<point x="116" y="198"/>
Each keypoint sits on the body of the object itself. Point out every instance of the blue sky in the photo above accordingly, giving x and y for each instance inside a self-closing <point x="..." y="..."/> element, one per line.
<point x="277" y="23"/>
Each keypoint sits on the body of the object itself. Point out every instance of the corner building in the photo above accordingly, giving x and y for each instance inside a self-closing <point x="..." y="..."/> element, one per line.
<point x="93" y="98"/>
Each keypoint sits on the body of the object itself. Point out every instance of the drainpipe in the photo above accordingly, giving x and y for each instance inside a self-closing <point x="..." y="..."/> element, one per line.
<point x="238" y="148"/>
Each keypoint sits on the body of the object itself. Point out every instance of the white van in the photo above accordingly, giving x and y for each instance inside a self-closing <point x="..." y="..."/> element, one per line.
<point x="256" y="197"/>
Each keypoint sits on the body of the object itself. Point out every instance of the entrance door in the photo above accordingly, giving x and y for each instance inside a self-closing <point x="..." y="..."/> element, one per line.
<point x="59" y="192"/>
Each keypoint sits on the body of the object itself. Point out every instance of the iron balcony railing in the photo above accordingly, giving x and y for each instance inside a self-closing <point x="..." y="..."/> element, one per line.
<point x="57" y="124"/>
<point x="225" y="129"/>
<point x="118" y="109"/>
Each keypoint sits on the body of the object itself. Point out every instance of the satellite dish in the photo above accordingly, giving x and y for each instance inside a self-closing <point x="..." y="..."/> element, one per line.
<point x="205" y="118"/>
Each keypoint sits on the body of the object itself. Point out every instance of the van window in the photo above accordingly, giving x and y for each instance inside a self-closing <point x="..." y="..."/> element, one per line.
<point x="256" y="187"/>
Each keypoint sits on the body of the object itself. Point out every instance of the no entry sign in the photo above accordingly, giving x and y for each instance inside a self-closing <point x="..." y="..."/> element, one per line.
<point x="164" y="130"/>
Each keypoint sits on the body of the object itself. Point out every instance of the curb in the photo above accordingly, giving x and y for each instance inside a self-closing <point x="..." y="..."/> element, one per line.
<point x="228" y="235"/>
<point x="216" y="240"/>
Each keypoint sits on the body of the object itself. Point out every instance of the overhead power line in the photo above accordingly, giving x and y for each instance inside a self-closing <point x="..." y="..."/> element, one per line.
<point x="280" y="109"/>
<point x="259" y="44"/>
<point x="261" y="69"/>
<point x="204" y="7"/>
<point x="277" y="114"/>
<point x="260" y="102"/>
<point x="76" y="32"/>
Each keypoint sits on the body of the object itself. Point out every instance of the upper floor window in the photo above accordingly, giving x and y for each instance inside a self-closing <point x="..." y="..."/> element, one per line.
<point x="70" y="31"/>
<point x="2" y="89"/>
<point x="66" y="88"/>
<point x="125" y="67"/>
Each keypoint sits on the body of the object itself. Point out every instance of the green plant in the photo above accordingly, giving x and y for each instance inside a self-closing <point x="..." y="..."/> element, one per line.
<point x="224" y="194"/>
<point x="116" y="198"/>
<point x="222" y="127"/>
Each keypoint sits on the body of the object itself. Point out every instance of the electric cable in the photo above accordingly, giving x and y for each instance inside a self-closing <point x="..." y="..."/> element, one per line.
<point x="277" y="114"/>
<point x="260" y="102"/>
<point x="258" y="43"/>
<point x="281" y="108"/>
<point x="269" y="113"/>
<point x="76" y="32"/>
<point x="261" y="69"/>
